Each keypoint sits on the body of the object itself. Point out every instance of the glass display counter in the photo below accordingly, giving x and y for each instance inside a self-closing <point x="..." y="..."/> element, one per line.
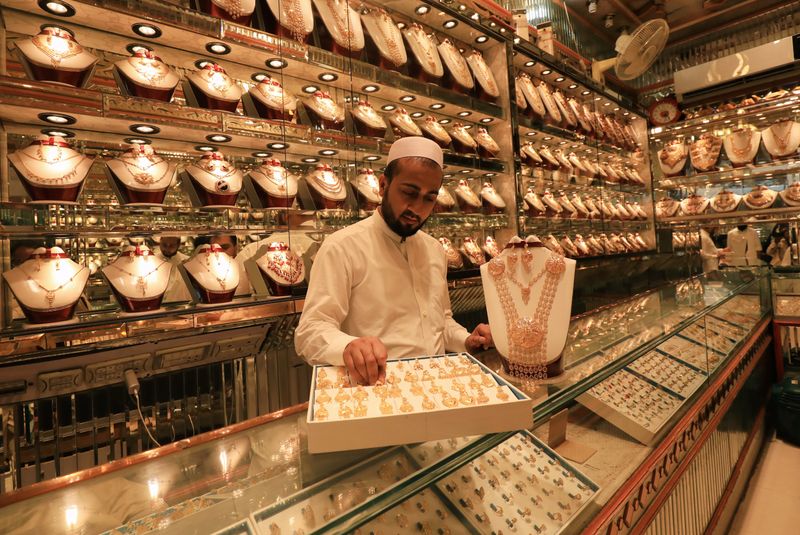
<point x="637" y="374"/>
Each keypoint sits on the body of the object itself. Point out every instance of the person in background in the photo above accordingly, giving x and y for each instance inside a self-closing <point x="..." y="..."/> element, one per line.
<point x="779" y="249"/>
<point x="744" y="246"/>
<point x="230" y="246"/>
<point x="709" y="252"/>
<point x="168" y="249"/>
<point x="21" y="250"/>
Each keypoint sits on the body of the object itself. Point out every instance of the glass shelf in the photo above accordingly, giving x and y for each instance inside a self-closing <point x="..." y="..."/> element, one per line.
<point x="758" y="172"/>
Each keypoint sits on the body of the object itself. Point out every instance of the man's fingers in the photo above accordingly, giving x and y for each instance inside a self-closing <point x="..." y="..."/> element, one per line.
<point x="379" y="350"/>
<point x="360" y="364"/>
<point x="349" y="361"/>
<point x="372" y="369"/>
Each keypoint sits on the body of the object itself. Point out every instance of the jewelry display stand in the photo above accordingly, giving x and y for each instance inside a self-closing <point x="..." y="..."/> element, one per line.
<point x="212" y="275"/>
<point x="468" y="200"/>
<point x="53" y="55"/>
<point x="741" y="146"/>
<point x="463" y="143"/>
<point x="367" y="188"/>
<point x="704" y="153"/>
<point x="212" y="182"/>
<point x="291" y="19"/>
<point x="238" y="11"/>
<point x="553" y="116"/>
<point x="472" y="252"/>
<point x="327" y="190"/>
<point x="212" y="88"/>
<point x="760" y="198"/>
<point x="529" y="320"/>
<point x="344" y="35"/>
<point x="667" y="207"/>
<point x="782" y="139"/>
<point x="50" y="170"/>
<point x="430" y="398"/>
<point x="385" y="45"/>
<point x="490" y="248"/>
<point x="454" y="260"/>
<point x="694" y="205"/>
<point x="275" y="267"/>
<point x="457" y="75"/>
<point x="270" y="185"/>
<point x="323" y="112"/>
<point x="487" y="147"/>
<point x="271" y="101"/>
<point x="367" y="121"/>
<point x="445" y="202"/>
<point x="145" y="75"/>
<point x="488" y="89"/>
<point x="140" y="177"/>
<point x="492" y="202"/>
<point x="431" y="129"/>
<point x="138" y="279"/>
<point x="48" y="286"/>
<point x="791" y="195"/>
<point x="725" y="201"/>
<point x="402" y="124"/>
<point x="534" y="204"/>
<point x="536" y="107"/>
<point x="425" y="63"/>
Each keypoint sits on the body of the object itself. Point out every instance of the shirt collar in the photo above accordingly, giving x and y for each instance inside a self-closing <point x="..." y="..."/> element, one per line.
<point x="384" y="228"/>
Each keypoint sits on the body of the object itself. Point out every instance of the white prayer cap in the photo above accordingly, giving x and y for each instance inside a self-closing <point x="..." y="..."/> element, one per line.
<point x="416" y="146"/>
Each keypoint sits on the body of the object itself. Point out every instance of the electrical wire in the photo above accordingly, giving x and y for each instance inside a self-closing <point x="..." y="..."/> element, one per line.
<point x="141" y="417"/>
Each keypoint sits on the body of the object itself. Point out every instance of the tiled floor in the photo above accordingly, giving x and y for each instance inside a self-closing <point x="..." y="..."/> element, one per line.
<point x="771" y="504"/>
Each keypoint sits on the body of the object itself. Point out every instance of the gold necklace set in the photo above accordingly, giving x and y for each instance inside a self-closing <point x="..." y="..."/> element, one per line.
<point x="61" y="179"/>
<point x="50" y="294"/>
<point x="384" y="21"/>
<point x="45" y="43"/>
<point x="342" y="22"/>
<point x="742" y="152"/>
<point x="152" y="70"/>
<point x="141" y="280"/>
<point x="141" y="173"/>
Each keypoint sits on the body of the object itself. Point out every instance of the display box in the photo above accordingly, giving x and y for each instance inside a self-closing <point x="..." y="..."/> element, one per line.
<point x="425" y="398"/>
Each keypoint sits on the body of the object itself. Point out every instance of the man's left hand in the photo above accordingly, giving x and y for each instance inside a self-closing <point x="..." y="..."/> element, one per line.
<point x="480" y="339"/>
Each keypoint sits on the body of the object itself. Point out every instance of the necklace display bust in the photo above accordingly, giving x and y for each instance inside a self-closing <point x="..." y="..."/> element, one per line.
<point x="529" y="155"/>
<point x="554" y="209"/>
<point x="672" y="158"/>
<point x="402" y="124"/>
<point x="272" y="101"/>
<point x="214" y="89"/>
<point x="238" y="11"/>
<point x="386" y="38"/>
<point x="528" y="301"/>
<point x="704" y="152"/>
<point x="444" y="201"/>
<point x="145" y="75"/>
<point x="490" y="247"/>
<point x="427" y="65"/>
<point x="667" y="207"/>
<point x="725" y="201"/>
<point x="553" y="115"/>
<point x="454" y="260"/>
<point x="216" y="181"/>
<point x="53" y="55"/>
<point x="323" y="112"/>
<point x="431" y="129"/>
<point x="141" y="176"/>
<point x="570" y="121"/>
<point x="282" y="268"/>
<point x="584" y="123"/>
<point x="345" y="36"/>
<point x="493" y="203"/>
<point x="759" y="198"/>
<point x="458" y="76"/>
<point x="487" y="147"/>
<point x="213" y="274"/>
<point x="50" y="170"/>
<point x="48" y="285"/>
<point x="462" y="141"/>
<point x="694" y="205"/>
<point x="487" y="84"/>
<point x="368" y="189"/>
<point x="782" y="138"/>
<point x="536" y="207"/>
<point x="741" y="146"/>
<point x="138" y="278"/>
<point x="791" y="195"/>
<point x="472" y="252"/>
<point x="326" y="188"/>
<point x="276" y="187"/>
<point x="367" y="121"/>
<point x="293" y="19"/>
<point x="468" y="200"/>
<point x="535" y="105"/>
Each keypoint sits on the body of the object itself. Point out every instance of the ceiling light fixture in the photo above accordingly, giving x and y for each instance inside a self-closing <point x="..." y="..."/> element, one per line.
<point x="487" y="120"/>
<point x="276" y="63"/>
<point x="421" y="10"/>
<point x="444" y="121"/>
<point x="133" y="48"/>
<point x="205" y="148"/>
<point x="560" y="79"/>
<point x="448" y="24"/>
<point x="57" y="118"/>
<point x="310" y="89"/>
<point x="369" y="88"/>
<point x="57" y="7"/>
<point x="416" y="114"/>
<point x="259" y="76"/>
<point x="372" y="158"/>
<point x="407" y="98"/>
<point x="144" y="129"/>
<point x="530" y="63"/>
<point x="464" y="113"/>
<point x="388" y="107"/>
<point x="218" y="138"/>
<point x="146" y="30"/>
<point x="278" y="146"/>
<point x="218" y="48"/>
<point x="481" y="39"/>
<point x="310" y="160"/>
<point x="436" y="106"/>
<point x="136" y="141"/>
<point x="328" y="77"/>
<point x="201" y="63"/>
<point x="59" y="133"/>
<point x="262" y="154"/>
<point x="328" y="152"/>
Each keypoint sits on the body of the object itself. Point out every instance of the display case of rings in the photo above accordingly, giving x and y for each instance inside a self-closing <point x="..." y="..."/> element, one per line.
<point x="422" y="399"/>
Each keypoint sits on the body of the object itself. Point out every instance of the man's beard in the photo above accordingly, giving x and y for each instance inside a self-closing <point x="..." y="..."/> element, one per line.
<point x="393" y="221"/>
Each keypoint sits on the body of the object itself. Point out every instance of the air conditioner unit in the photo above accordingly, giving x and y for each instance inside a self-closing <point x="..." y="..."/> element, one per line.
<point x="779" y="55"/>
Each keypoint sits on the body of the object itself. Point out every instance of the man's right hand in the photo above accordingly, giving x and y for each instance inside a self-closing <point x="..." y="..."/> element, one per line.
<point x="365" y="359"/>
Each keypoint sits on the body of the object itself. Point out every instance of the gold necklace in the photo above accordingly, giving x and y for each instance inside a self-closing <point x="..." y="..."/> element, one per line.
<point x="50" y="295"/>
<point x="232" y="7"/>
<point x="759" y="200"/>
<point x="782" y="140"/>
<point x="724" y="201"/>
<point x="739" y="151"/>
<point x="141" y="174"/>
<point x="152" y="70"/>
<point x="672" y="154"/>
<point x="276" y="175"/>
<point x="458" y="63"/>
<point x="220" y="280"/>
<point x="333" y="187"/>
<point x="383" y="19"/>
<point x="73" y="48"/>
<point x="285" y="264"/>
<point x="141" y="280"/>
<point x="491" y="84"/>
<point x="218" y="81"/>
<point x="53" y="180"/>
<point x="342" y="22"/>
<point x="425" y="44"/>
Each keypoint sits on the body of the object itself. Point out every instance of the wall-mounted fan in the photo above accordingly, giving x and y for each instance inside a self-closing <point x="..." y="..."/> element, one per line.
<point x="636" y="52"/>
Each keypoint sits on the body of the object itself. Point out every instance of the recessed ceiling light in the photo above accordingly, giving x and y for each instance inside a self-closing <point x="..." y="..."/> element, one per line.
<point x="448" y="176"/>
<point x="487" y="120"/>
<point x="310" y="160"/>
<point x="597" y="98"/>
<point x="560" y="79"/>
<point x="531" y="134"/>
<point x="60" y="133"/>
<point x="57" y="7"/>
<point x="421" y="10"/>
<point x="562" y="142"/>
<point x="475" y="16"/>
<point x="259" y="76"/>
<point x="481" y="39"/>
<point x="310" y="89"/>
<point x="606" y="104"/>
<point x="616" y="108"/>
<point x="328" y="77"/>
<point x="444" y="121"/>
<point x="450" y="24"/>
<point x="369" y="88"/>
<point x="388" y="107"/>
<point x="517" y="40"/>
<point x="585" y="92"/>
<point x="133" y="48"/>
<point x="548" y="138"/>
<point x="218" y="138"/>
<point x="436" y="106"/>
<point x="401" y="25"/>
<point x="530" y="63"/>
<point x="328" y="152"/>
<point x="57" y="118"/>
<point x="205" y="148"/>
<point x="461" y="7"/>
<point x="574" y="146"/>
<point x="144" y="129"/>
<point x="490" y="175"/>
<point x="407" y="98"/>
<point x="546" y="72"/>
<point x="572" y="86"/>
<point x="201" y="63"/>
<point x="276" y="63"/>
<point x="465" y="171"/>
<point x="262" y="154"/>
<point x="493" y="24"/>
<point x="218" y="48"/>
<point x="467" y="126"/>
<point x="464" y="113"/>
<point x="137" y="141"/>
<point x="626" y="113"/>
<point x="372" y="158"/>
<point x="416" y="114"/>
<point x="146" y="30"/>
<point x="278" y="146"/>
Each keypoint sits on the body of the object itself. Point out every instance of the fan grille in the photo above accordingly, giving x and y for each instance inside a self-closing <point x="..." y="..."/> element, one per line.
<point x="642" y="49"/>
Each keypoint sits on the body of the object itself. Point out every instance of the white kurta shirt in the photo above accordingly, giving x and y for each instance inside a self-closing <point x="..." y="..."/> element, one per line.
<point x="744" y="246"/>
<point x="367" y="281"/>
<point x="708" y="252"/>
